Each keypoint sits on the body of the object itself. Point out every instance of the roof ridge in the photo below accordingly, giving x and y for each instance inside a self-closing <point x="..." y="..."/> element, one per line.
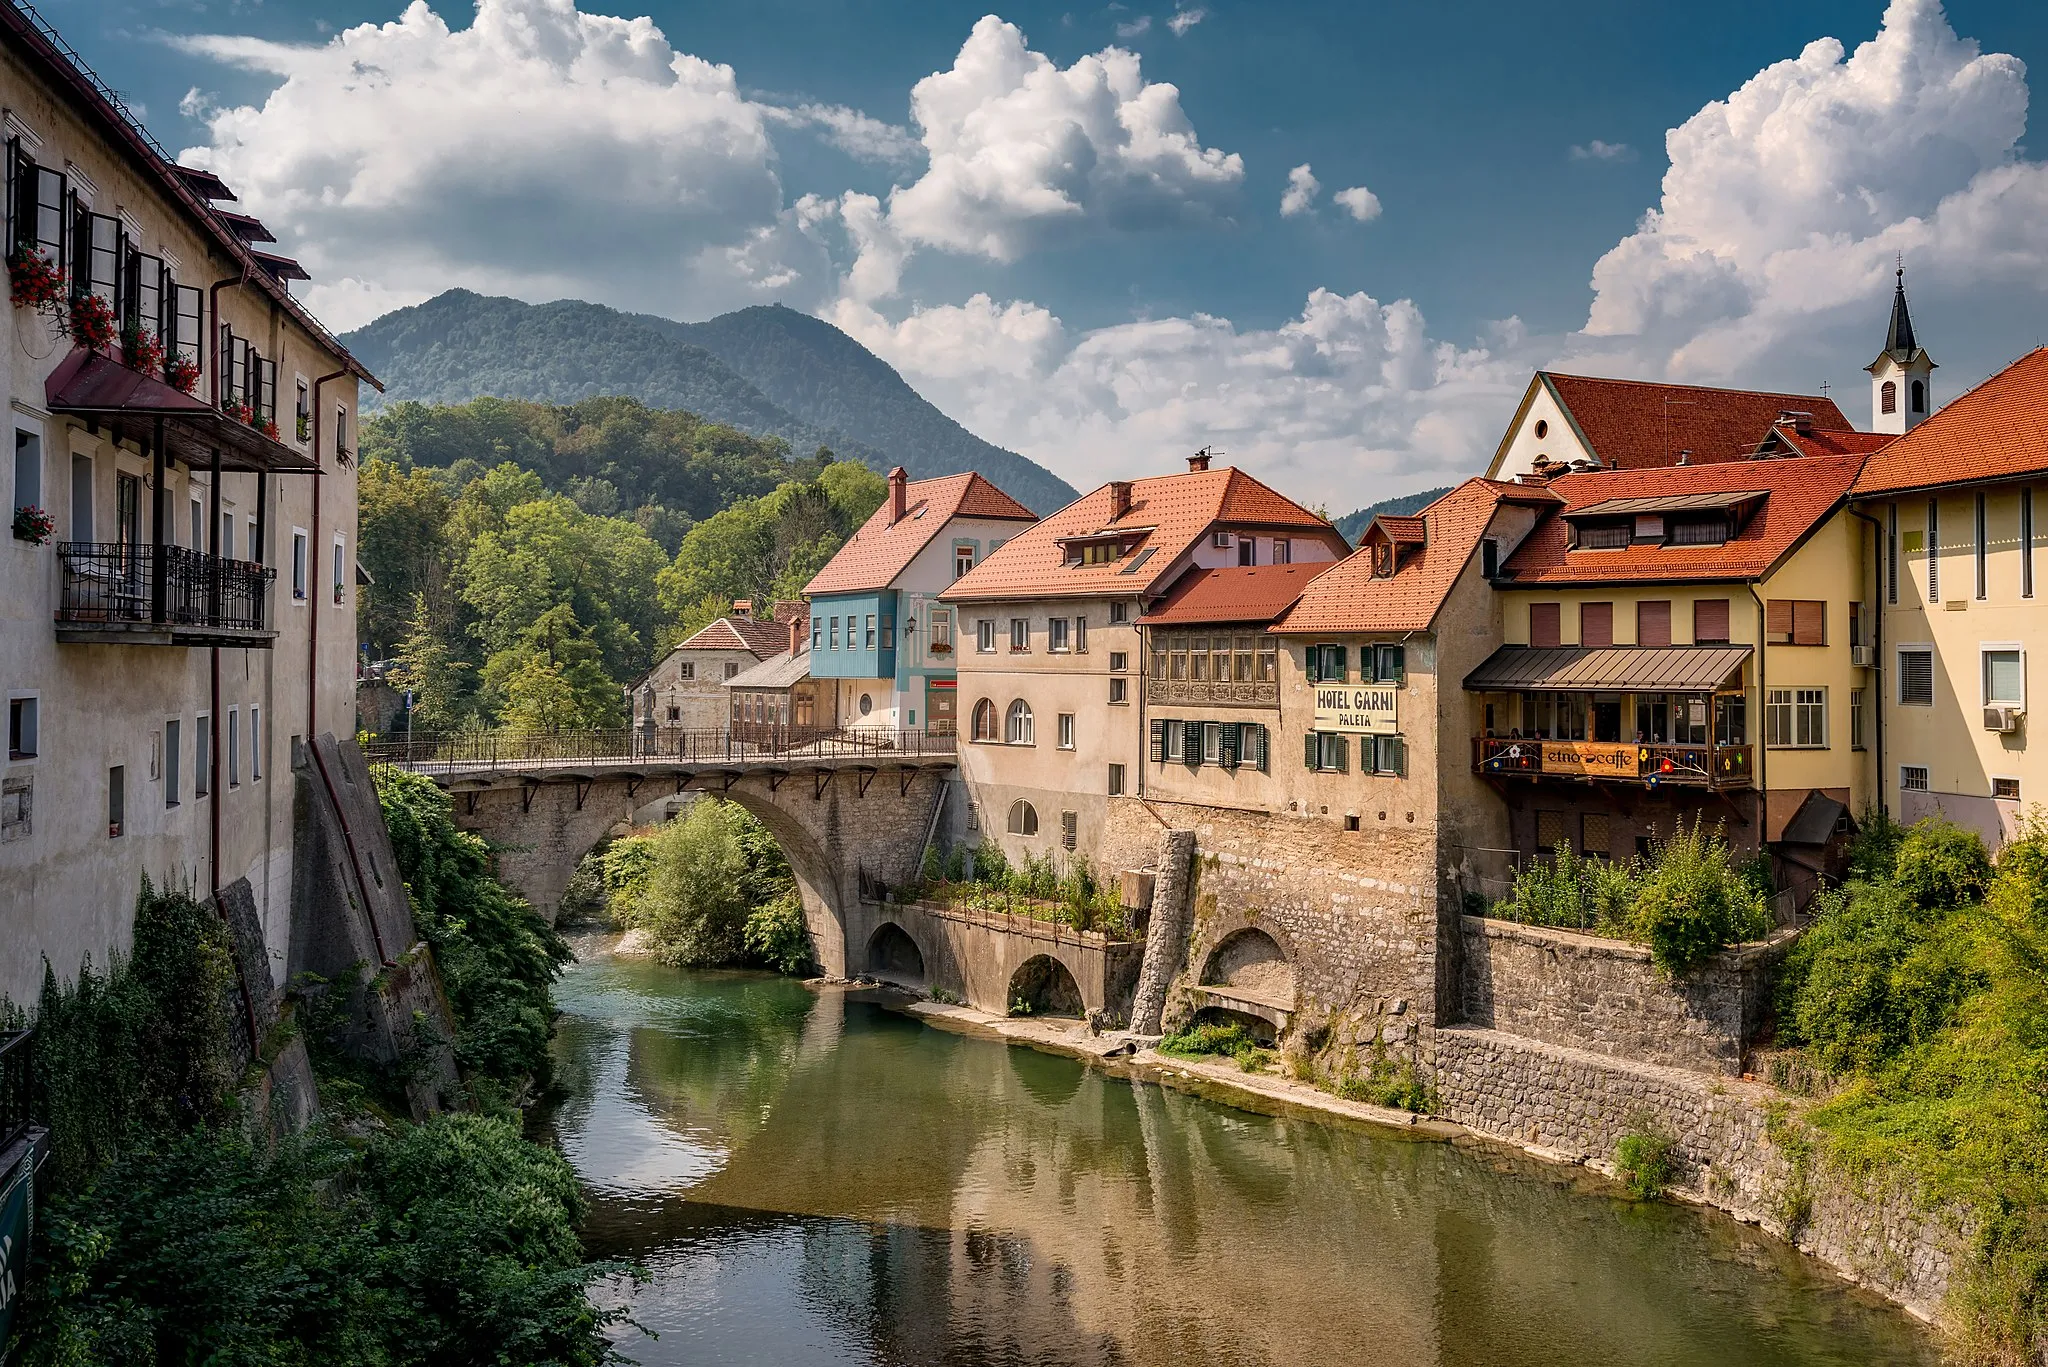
<point x="1680" y="384"/>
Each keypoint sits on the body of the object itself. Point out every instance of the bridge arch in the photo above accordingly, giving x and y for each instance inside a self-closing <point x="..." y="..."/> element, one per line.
<point x="1044" y="986"/>
<point x="894" y="956"/>
<point x="1248" y="978"/>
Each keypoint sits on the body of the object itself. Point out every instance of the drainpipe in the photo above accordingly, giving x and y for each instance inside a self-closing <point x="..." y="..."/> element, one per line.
<point x="1763" y="786"/>
<point x="1877" y="602"/>
<point x="313" y="604"/>
<point x="213" y="312"/>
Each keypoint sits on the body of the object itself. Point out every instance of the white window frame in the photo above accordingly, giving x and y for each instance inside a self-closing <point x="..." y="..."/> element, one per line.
<point x="963" y="560"/>
<point x="1926" y="780"/>
<point x="1176" y="742"/>
<point x="1212" y="742"/>
<point x="686" y="669"/>
<point x="1020" y="635"/>
<point x="1985" y="650"/>
<point x="33" y="696"/>
<point x="1799" y="700"/>
<point x="203" y="741"/>
<point x="35" y="497"/>
<point x="2013" y="779"/>
<point x="1899" y="652"/>
<point x="233" y="732"/>
<point x="985" y="636"/>
<point x="1066" y="731"/>
<point x="1120" y="691"/>
<point x="1080" y="633"/>
<point x="1015" y="733"/>
<point x="255" y="743"/>
<point x="1056" y="635"/>
<point x="340" y="586"/>
<point x="302" y="566"/>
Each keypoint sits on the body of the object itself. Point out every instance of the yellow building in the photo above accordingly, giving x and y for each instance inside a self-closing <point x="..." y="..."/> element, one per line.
<point x="1952" y="505"/>
<point x="1686" y="643"/>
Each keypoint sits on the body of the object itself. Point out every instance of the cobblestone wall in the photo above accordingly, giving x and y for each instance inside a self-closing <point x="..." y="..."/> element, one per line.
<point x="1732" y="1145"/>
<point x="1606" y="996"/>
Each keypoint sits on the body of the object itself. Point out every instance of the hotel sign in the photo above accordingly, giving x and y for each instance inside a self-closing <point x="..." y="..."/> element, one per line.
<point x="1361" y="709"/>
<point x="1592" y="758"/>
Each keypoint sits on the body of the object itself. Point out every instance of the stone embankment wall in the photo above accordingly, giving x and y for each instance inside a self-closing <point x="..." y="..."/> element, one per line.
<point x="976" y="955"/>
<point x="1739" y="1144"/>
<point x="1607" y="997"/>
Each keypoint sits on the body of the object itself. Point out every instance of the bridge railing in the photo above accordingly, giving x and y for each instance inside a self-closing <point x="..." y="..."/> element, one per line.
<point x="467" y="751"/>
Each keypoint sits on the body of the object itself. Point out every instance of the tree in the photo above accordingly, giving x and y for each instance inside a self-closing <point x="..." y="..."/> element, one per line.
<point x="711" y="869"/>
<point x="404" y="517"/>
<point x="551" y="678"/>
<point x="434" y="672"/>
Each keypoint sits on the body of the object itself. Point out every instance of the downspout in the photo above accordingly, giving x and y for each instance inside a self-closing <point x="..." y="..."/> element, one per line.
<point x="1763" y="786"/>
<point x="313" y="605"/>
<point x="213" y="312"/>
<point x="1877" y="605"/>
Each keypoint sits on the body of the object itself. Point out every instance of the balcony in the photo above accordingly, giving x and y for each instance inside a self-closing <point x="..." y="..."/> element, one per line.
<point x="120" y="594"/>
<point x="1217" y="693"/>
<point x="1650" y="765"/>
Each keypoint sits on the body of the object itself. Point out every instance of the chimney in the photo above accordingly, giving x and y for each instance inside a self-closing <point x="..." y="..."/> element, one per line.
<point x="1199" y="461"/>
<point x="796" y="637"/>
<point x="743" y="607"/>
<point x="899" y="495"/>
<point x="1119" y="498"/>
<point x="1799" y="422"/>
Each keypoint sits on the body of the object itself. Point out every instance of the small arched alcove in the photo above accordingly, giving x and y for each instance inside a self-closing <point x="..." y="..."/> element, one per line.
<point x="1247" y="979"/>
<point x="894" y="957"/>
<point x="1042" y="986"/>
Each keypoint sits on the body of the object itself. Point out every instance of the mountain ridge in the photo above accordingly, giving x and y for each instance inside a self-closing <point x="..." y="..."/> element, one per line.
<point x="767" y="370"/>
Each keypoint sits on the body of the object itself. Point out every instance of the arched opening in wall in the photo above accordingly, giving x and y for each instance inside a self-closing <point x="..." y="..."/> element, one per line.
<point x="1919" y="396"/>
<point x="1042" y="986"/>
<point x="1888" y="397"/>
<point x="1258" y="1027"/>
<point x="1023" y="818"/>
<point x="1250" y="963"/>
<point x="984" y="720"/>
<point x="894" y="957"/>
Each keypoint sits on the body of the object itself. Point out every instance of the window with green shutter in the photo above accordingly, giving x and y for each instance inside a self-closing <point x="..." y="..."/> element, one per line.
<point x="1392" y="665"/>
<point x="1158" y="742"/>
<point x="1253" y="746"/>
<point x="1191" y="744"/>
<point x="1229" y="745"/>
<point x="1389" y="756"/>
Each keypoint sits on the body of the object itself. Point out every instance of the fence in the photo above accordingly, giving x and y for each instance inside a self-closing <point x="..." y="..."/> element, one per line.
<point x="465" y="751"/>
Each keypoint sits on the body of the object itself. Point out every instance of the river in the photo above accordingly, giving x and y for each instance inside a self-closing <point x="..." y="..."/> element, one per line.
<point x="810" y="1178"/>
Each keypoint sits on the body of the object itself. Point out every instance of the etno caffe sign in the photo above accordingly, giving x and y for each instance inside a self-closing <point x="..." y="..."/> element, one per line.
<point x="1358" y="709"/>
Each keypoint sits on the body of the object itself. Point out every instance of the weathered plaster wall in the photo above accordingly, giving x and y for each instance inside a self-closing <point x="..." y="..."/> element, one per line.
<point x="1606" y="996"/>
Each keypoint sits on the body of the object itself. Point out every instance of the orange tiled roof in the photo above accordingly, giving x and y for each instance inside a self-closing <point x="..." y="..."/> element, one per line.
<point x="1346" y="597"/>
<point x="1232" y="593"/>
<point x="1639" y="423"/>
<point x="1168" y="514"/>
<point x="1999" y="430"/>
<point x="760" y="639"/>
<point x="1788" y="440"/>
<point x="873" y="556"/>
<point x="1800" y="493"/>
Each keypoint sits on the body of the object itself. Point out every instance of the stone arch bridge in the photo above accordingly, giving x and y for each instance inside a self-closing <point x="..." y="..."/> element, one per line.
<point x="852" y="811"/>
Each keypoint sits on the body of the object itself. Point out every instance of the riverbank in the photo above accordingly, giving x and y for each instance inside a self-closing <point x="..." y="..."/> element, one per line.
<point x="1872" y="1240"/>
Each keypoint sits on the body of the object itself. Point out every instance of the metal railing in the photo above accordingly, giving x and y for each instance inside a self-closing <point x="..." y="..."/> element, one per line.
<point x="1717" y="766"/>
<point x="14" y="1085"/>
<point x="467" y="751"/>
<point x="118" y="582"/>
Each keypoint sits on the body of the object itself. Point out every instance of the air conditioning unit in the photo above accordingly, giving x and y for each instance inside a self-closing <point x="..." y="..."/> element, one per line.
<point x="2004" y="720"/>
<point x="1221" y="540"/>
<point x="1863" y="657"/>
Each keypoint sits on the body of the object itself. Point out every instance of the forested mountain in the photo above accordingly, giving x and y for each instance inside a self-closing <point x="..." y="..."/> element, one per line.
<point x="1353" y="525"/>
<point x="766" y="371"/>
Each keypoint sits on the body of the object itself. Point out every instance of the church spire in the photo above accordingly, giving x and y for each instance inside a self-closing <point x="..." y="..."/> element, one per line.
<point x="1899" y="340"/>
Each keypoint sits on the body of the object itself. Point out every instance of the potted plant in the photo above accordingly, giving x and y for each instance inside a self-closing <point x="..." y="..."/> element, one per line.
<point x="181" y="372"/>
<point x="32" y="282"/>
<point x="140" y="349"/>
<point x="268" y="427"/>
<point x="91" y="322"/>
<point x="33" y="525"/>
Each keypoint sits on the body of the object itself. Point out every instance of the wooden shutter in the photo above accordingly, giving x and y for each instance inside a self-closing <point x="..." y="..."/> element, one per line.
<point x="1158" y="742"/>
<point x="1653" y="623"/>
<point x="1709" y="620"/>
<point x="1312" y="659"/>
<point x="1343" y="753"/>
<point x="1393" y="665"/>
<point x="1545" y="629"/>
<point x="1596" y="624"/>
<point x="1227" y="745"/>
<point x="1809" y="624"/>
<point x="1255" y="734"/>
<point x="1340" y="667"/>
<point x="1191" y="744"/>
<point x="1390" y="755"/>
<point x="1310" y="751"/>
<point x="1778" y="622"/>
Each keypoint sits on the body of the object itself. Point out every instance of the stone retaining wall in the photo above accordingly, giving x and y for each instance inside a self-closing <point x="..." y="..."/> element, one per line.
<point x="1607" y="996"/>
<point x="1580" y="1104"/>
<point x="975" y="955"/>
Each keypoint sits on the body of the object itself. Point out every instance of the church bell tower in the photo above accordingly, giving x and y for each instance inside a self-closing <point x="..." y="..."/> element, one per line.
<point x="1902" y="376"/>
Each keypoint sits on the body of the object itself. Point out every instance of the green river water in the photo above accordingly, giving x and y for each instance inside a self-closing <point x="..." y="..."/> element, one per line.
<point x="810" y="1178"/>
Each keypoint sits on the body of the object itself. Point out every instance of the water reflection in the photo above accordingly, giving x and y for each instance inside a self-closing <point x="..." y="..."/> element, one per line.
<point x="812" y="1179"/>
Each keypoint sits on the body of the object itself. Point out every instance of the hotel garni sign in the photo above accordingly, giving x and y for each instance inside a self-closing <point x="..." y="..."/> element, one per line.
<point x="1358" y="709"/>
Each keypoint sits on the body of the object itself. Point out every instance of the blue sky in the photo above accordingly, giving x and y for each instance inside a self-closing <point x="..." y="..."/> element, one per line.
<point x="1163" y="299"/>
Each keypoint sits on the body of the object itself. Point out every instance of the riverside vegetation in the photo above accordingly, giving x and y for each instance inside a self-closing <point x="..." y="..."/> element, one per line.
<point x="174" y="1226"/>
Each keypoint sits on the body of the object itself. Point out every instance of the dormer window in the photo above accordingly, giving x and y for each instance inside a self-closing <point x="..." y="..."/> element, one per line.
<point x="1705" y="519"/>
<point x="1606" y="536"/>
<point x="1383" y="560"/>
<point x="1098" y="553"/>
<point x="1703" y="531"/>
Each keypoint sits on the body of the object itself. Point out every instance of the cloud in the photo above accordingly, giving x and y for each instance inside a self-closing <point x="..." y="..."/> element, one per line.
<point x="1022" y="151"/>
<point x="858" y="135"/>
<point x="1300" y="195"/>
<point x="1361" y="203"/>
<point x="1784" y="205"/>
<point x="1135" y="28"/>
<point x="1185" y="19"/>
<point x="1596" y="150"/>
<point x="1334" y="404"/>
<point x="540" y="151"/>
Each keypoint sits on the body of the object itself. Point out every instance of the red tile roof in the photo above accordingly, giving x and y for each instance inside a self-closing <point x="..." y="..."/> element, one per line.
<point x="1404" y="531"/>
<point x="760" y="639"/>
<point x="1999" y="430"/>
<point x="873" y="556"/>
<point x="1168" y="515"/>
<point x="1233" y="593"/>
<point x="1801" y="492"/>
<point x="1785" y="439"/>
<point x="1638" y="423"/>
<point x="1347" y="597"/>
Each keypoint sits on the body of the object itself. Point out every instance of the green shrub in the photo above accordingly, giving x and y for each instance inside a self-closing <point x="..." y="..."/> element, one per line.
<point x="1208" y="1037"/>
<point x="1693" y="903"/>
<point x="1939" y="865"/>
<point x="1573" y="893"/>
<point x="1394" y="1084"/>
<point x="628" y="863"/>
<point x="709" y="870"/>
<point x="776" y="936"/>
<point x="1646" y="1160"/>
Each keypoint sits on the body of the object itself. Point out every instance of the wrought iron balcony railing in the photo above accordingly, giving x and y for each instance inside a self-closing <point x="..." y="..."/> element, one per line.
<point x="164" y="594"/>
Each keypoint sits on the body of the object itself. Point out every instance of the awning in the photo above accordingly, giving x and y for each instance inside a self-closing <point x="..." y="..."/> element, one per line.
<point x="130" y="403"/>
<point x="1619" y="669"/>
<point x="1669" y="503"/>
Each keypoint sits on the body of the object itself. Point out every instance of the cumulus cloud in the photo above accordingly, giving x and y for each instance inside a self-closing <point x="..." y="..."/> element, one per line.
<point x="1022" y="151"/>
<point x="1361" y="203"/>
<point x="857" y="134"/>
<point x="1785" y="205"/>
<point x="1596" y="150"/>
<point x="540" y="151"/>
<point x="1185" y="19"/>
<point x="1135" y="28"/>
<point x="1300" y="195"/>
<point x="1337" y="404"/>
